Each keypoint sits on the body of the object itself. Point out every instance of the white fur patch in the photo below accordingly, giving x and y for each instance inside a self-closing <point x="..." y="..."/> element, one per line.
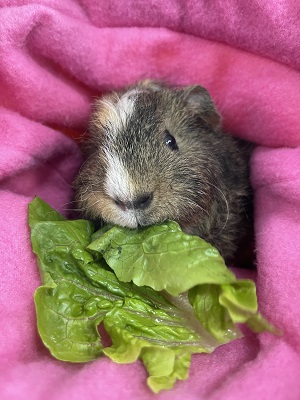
<point x="117" y="183"/>
<point x="126" y="105"/>
<point x="119" y="112"/>
<point x="118" y="186"/>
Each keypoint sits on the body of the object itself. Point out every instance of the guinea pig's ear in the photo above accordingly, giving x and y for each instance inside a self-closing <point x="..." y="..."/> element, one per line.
<point x="150" y="85"/>
<point x="200" y="102"/>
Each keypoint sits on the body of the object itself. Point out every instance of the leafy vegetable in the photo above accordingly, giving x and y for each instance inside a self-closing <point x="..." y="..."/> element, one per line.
<point x="159" y="256"/>
<point x="112" y="277"/>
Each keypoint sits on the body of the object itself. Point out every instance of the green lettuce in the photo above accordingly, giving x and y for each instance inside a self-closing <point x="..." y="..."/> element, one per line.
<point x="160" y="294"/>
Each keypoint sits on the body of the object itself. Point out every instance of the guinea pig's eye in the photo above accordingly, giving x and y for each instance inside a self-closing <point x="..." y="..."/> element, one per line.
<point x="170" y="140"/>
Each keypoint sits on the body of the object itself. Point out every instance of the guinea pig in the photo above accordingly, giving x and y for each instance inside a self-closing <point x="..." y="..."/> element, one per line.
<point x="156" y="153"/>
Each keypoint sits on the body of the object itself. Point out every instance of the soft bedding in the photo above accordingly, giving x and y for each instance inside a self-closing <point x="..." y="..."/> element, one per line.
<point x="55" y="57"/>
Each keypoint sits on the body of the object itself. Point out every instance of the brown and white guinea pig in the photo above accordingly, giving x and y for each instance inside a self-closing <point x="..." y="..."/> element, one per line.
<point x="157" y="153"/>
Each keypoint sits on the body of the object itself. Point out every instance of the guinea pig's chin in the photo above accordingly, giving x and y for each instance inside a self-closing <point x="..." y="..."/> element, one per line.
<point x="127" y="219"/>
<point x="131" y="219"/>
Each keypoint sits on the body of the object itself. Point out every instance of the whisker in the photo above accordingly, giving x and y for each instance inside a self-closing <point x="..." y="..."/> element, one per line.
<point x="65" y="204"/>
<point x="72" y="209"/>
<point x="92" y="205"/>
<point x="227" y="207"/>
<point x="87" y="197"/>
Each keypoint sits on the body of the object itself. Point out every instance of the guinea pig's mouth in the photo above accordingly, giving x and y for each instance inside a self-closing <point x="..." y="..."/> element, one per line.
<point x="134" y="212"/>
<point x="132" y="219"/>
<point x="127" y="219"/>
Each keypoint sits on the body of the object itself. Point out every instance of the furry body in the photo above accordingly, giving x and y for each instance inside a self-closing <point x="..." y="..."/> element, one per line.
<point x="158" y="153"/>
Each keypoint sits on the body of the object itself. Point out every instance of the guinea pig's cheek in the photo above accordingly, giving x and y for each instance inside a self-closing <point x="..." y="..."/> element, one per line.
<point x="96" y="204"/>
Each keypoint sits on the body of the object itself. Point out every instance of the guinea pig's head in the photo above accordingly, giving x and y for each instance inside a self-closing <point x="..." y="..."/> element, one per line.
<point x="150" y="156"/>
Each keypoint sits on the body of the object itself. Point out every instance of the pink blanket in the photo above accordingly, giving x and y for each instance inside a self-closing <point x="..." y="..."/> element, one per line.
<point x="55" y="57"/>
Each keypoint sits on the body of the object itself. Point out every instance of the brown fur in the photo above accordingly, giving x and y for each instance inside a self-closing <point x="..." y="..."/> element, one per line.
<point x="203" y="185"/>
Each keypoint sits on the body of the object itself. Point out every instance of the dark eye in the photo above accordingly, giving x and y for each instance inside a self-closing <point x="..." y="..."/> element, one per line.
<point x="170" y="141"/>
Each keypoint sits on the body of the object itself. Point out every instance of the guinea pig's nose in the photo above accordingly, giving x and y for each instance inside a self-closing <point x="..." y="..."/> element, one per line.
<point x="139" y="203"/>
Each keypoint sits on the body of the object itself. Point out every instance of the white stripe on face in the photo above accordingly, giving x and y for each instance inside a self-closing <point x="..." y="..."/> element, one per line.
<point x="119" y="187"/>
<point x="117" y="182"/>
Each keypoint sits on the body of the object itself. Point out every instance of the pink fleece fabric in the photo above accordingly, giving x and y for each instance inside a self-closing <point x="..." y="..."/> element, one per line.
<point x="55" y="57"/>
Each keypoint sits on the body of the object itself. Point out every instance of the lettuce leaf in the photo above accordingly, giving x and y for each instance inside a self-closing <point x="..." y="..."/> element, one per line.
<point x="112" y="277"/>
<point x="159" y="256"/>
